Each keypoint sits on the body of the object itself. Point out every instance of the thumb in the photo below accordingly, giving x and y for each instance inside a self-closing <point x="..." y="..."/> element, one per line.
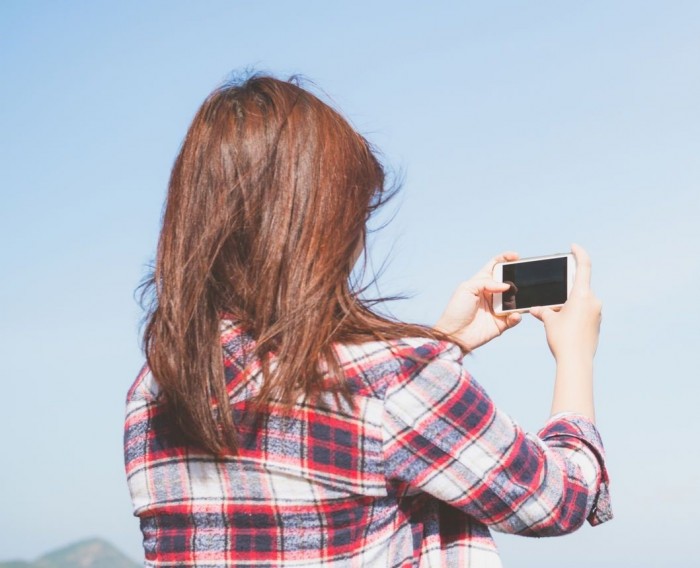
<point x="513" y="319"/>
<point x="541" y="313"/>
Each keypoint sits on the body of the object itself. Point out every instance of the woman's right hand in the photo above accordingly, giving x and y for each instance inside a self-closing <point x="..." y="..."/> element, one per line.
<point x="573" y="330"/>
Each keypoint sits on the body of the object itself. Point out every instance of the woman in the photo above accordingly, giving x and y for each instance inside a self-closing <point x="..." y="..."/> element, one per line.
<point x="281" y="421"/>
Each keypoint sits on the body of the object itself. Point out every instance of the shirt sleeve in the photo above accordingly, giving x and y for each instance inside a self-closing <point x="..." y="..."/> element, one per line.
<point x="444" y="436"/>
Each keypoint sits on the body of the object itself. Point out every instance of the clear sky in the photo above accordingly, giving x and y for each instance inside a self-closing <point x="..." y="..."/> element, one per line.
<point x="516" y="125"/>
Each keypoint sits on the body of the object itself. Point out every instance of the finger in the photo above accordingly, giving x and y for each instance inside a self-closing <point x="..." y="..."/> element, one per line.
<point x="507" y="256"/>
<point x="541" y="313"/>
<point x="513" y="319"/>
<point x="478" y="285"/>
<point x="582" y="280"/>
<point x="490" y="285"/>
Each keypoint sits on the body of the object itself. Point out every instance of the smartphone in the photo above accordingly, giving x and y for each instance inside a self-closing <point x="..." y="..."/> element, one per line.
<point x="537" y="281"/>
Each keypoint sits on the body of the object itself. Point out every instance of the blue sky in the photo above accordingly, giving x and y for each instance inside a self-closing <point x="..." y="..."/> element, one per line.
<point x="515" y="125"/>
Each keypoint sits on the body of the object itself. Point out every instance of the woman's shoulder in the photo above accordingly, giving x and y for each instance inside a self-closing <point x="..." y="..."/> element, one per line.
<point x="405" y="348"/>
<point x="368" y="366"/>
<point x="237" y="343"/>
<point x="375" y="365"/>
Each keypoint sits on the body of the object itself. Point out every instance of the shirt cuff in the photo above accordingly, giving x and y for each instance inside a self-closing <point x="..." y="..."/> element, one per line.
<point x="572" y="425"/>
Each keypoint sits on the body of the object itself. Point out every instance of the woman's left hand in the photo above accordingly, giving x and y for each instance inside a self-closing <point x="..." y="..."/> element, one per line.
<point x="469" y="315"/>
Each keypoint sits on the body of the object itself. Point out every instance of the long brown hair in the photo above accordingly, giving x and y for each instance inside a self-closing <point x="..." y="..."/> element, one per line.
<point x="266" y="211"/>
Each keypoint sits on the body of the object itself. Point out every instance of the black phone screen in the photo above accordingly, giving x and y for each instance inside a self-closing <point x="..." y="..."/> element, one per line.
<point x="535" y="283"/>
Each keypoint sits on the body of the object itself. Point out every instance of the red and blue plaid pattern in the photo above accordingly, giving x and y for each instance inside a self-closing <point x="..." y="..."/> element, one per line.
<point x="409" y="476"/>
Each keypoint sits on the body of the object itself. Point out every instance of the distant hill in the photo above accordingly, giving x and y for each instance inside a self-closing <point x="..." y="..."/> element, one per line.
<point x="93" y="553"/>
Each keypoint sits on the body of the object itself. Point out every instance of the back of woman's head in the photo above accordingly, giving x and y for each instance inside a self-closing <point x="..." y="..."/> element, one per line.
<point x="265" y="215"/>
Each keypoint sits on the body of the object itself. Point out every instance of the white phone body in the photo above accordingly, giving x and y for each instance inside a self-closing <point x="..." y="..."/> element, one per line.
<point x="538" y="281"/>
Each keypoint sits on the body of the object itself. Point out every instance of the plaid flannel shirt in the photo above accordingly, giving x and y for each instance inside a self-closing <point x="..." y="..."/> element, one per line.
<point x="412" y="474"/>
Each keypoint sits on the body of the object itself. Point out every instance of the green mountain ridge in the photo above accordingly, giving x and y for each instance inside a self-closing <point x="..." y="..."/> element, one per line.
<point x="91" y="553"/>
